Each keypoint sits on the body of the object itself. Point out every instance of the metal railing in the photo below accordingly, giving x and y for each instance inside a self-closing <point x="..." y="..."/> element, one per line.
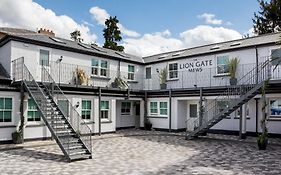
<point x="78" y="124"/>
<point x="233" y="95"/>
<point x="22" y="73"/>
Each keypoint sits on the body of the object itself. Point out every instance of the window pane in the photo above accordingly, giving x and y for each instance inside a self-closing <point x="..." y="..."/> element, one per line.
<point x="104" y="114"/>
<point x="104" y="105"/>
<point x="103" y="64"/>
<point x="1" y="103"/>
<point x="103" y="72"/>
<point x="44" y="57"/>
<point x="163" y="111"/>
<point x="193" y="110"/>
<point x="7" y="116"/>
<point x="94" y="71"/>
<point x="8" y="103"/>
<point x="163" y="104"/>
<point x="131" y="68"/>
<point x="275" y="107"/>
<point x="95" y="62"/>
<point x="148" y="73"/>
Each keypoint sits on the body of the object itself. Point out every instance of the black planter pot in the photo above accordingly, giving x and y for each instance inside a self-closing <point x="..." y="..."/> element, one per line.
<point x="262" y="145"/>
<point x="163" y="86"/>
<point x="148" y="126"/>
<point x="17" y="137"/>
<point x="233" y="81"/>
<point x="114" y="85"/>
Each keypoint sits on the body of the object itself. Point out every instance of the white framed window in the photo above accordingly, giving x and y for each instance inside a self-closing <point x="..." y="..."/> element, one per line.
<point x="131" y="72"/>
<point x="86" y="109"/>
<point x="153" y="108"/>
<point x="222" y="65"/>
<point x="32" y="112"/>
<point x="104" y="110"/>
<point x="99" y="68"/>
<point x="173" y="70"/>
<point x="6" y="108"/>
<point x="275" y="108"/>
<point x="44" y="57"/>
<point x="148" y="73"/>
<point x="157" y="108"/>
<point x="126" y="108"/>
<point x="163" y="108"/>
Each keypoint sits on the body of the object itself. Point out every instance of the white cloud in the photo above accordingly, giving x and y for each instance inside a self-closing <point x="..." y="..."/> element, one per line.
<point x="210" y="19"/>
<point x="204" y="34"/>
<point x="160" y="42"/>
<point x="150" y="44"/>
<point x="100" y="15"/>
<point x="30" y="15"/>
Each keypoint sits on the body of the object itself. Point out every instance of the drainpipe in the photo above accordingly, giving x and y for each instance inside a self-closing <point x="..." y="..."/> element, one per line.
<point x="145" y="108"/>
<point x="240" y="122"/>
<point x="99" y="110"/>
<point x="257" y="63"/>
<point x="257" y="114"/>
<point x="201" y="107"/>
<point x="170" y="110"/>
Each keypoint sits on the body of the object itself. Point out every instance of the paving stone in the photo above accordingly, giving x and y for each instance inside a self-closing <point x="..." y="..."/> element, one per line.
<point x="139" y="152"/>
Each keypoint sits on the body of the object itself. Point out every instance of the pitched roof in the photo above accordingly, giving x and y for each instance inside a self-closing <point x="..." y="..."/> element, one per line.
<point x="214" y="48"/>
<point x="64" y="44"/>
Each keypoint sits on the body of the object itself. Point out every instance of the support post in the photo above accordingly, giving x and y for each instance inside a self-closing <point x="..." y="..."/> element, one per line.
<point x="201" y="107"/>
<point x="22" y="118"/>
<point x="170" y="110"/>
<point x="244" y="121"/>
<point x="99" y="110"/>
<point x="240" y="122"/>
<point x="145" y="108"/>
<point x="257" y="115"/>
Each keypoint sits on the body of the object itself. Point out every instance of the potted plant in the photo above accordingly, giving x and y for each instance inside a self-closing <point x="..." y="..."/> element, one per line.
<point x="263" y="140"/>
<point x="163" y="74"/>
<point x="233" y="63"/>
<point x="119" y="83"/>
<point x="80" y="77"/>
<point x="263" y="137"/>
<point x="147" y="125"/>
<point x="17" y="136"/>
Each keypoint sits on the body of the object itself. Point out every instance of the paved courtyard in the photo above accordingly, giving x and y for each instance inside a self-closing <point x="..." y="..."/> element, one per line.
<point x="149" y="153"/>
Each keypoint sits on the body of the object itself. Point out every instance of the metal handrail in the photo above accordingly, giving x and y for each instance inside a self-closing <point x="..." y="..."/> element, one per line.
<point x="79" y="125"/>
<point x="233" y="94"/>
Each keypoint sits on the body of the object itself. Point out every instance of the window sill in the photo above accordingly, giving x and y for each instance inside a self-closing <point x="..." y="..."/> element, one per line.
<point x="157" y="117"/>
<point x="174" y="79"/>
<point x="271" y="118"/>
<point x="8" y="126"/>
<point x="126" y="115"/>
<point x="100" y="77"/>
<point x="132" y="81"/>
<point x="88" y="122"/>
<point x="35" y="125"/>
<point x="104" y="122"/>
<point x="248" y="118"/>
<point x="221" y="75"/>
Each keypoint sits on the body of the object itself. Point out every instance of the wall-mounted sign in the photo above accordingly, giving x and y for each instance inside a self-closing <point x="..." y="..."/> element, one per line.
<point x="196" y="66"/>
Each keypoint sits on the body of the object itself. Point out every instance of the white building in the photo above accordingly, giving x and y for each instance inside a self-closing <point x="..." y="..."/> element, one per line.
<point x="191" y="72"/>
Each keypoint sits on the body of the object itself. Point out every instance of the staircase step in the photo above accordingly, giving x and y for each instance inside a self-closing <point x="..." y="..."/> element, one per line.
<point x="81" y="156"/>
<point x="78" y="152"/>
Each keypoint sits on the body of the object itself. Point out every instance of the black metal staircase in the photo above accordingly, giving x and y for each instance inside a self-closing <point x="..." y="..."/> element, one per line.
<point x="235" y="96"/>
<point x="71" y="133"/>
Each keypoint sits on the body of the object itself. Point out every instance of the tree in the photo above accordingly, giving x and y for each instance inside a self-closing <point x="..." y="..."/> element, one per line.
<point x="112" y="34"/>
<point x="76" y="36"/>
<point x="268" y="20"/>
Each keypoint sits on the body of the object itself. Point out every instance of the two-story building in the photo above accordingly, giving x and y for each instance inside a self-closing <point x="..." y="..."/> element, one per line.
<point x="111" y="89"/>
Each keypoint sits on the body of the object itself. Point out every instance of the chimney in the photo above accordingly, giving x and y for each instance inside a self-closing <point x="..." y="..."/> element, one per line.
<point x="46" y="32"/>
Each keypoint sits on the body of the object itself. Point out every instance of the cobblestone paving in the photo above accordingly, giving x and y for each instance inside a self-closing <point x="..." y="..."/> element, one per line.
<point x="150" y="153"/>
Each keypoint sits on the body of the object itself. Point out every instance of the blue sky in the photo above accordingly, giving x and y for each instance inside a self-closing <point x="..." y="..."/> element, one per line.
<point x="171" y="23"/>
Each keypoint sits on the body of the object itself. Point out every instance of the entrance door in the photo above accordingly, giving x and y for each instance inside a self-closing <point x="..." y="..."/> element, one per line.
<point x="44" y="58"/>
<point x="137" y="115"/>
<point x="192" y="114"/>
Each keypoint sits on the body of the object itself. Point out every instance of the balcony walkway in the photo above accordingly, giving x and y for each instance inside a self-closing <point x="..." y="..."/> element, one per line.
<point x="147" y="152"/>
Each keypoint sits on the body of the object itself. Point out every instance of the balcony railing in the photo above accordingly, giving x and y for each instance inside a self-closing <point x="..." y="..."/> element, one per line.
<point x="64" y="73"/>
